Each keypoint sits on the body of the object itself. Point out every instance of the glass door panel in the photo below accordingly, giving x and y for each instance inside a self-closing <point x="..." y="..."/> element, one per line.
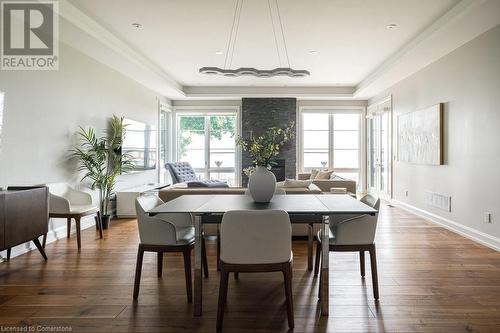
<point x="191" y="139"/>
<point x="207" y="142"/>
<point x="379" y="154"/>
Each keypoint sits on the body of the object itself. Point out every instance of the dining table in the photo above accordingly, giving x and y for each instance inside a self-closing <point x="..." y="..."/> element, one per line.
<point x="321" y="205"/>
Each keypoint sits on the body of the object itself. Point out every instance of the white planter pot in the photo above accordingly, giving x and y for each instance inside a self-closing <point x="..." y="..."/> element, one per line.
<point x="262" y="184"/>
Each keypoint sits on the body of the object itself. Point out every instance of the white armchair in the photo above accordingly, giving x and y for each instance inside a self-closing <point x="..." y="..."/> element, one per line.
<point x="255" y="241"/>
<point x="66" y="202"/>
<point x="354" y="233"/>
<point x="164" y="233"/>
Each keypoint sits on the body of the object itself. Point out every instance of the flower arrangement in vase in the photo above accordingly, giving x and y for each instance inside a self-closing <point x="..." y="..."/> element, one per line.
<point x="263" y="149"/>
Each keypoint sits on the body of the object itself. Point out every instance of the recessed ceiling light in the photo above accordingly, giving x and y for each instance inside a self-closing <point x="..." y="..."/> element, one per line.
<point x="313" y="52"/>
<point x="392" y="26"/>
<point x="219" y="52"/>
<point x="137" y="25"/>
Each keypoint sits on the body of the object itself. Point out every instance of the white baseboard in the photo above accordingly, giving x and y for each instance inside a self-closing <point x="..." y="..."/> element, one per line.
<point x="473" y="234"/>
<point x="52" y="236"/>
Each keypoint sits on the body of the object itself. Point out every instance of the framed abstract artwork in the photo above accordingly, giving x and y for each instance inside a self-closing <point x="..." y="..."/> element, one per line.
<point x="420" y="136"/>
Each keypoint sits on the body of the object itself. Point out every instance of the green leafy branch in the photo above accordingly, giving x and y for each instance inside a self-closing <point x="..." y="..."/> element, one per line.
<point x="264" y="148"/>
<point x="101" y="159"/>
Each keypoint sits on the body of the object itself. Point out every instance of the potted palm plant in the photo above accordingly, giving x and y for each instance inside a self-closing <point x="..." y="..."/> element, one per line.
<point x="102" y="161"/>
<point x="263" y="149"/>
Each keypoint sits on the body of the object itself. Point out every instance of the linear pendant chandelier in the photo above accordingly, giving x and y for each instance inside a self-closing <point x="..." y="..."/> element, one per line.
<point x="280" y="71"/>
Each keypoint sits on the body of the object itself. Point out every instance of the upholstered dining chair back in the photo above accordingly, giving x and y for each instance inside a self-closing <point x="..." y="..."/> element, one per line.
<point x="359" y="229"/>
<point x="62" y="197"/>
<point x="371" y="201"/>
<point x="153" y="230"/>
<point x="256" y="237"/>
<point x="59" y="189"/>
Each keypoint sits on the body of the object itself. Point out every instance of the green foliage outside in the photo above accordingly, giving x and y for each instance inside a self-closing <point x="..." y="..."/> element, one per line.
<point x="219" y="125"/>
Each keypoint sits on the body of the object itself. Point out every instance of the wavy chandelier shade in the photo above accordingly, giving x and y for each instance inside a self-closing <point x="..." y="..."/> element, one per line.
<point x="250" y="71"/>
<point x="282" y="71"/>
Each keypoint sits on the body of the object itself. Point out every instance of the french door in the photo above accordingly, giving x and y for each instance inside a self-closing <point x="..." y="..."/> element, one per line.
<point x="207" y="142"/>
<point x="380" y="151"/>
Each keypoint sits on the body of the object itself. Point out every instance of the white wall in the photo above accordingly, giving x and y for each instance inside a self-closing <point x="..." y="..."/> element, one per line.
<point x="467" y="81"/>
<point x="44" y="109"/>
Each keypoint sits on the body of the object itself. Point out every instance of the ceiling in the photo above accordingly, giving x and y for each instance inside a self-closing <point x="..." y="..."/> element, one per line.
<point x="350" y="37"/>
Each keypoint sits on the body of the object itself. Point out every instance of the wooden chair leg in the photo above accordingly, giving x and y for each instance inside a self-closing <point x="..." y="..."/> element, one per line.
<point x="362" y="262"/>
<point x="78" y="233"/>
<point x="68" y="227"/>
<point x="44" y="240"/>
<point x="218" y="248"/>
<point x="317" y="258"/>
<point x="287" y="274"/>
<point x="320" y="280"/>
<point x="160" y="264"/>
<point x="99" y="223"/>
<point x="204" y="257"/>
<point x="224" y="277"/>
<point x="9" y="250"/>
<point x="187" y="272"/>
<point x="40" y="248"/>
<point x="138" y="270"/>
<point x="373" y="262"/>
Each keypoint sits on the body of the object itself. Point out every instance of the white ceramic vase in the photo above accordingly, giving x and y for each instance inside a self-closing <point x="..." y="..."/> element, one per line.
<point x="262" y="184"/>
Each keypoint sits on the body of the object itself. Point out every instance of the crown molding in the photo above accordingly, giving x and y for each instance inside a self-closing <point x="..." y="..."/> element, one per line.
<point x="462" y="23"/>
<point x="299" y="92"/>
<point x="151" y="71"/>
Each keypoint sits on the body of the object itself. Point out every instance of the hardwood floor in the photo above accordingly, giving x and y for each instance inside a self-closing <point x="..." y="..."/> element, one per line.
<point x="431" y="280"/>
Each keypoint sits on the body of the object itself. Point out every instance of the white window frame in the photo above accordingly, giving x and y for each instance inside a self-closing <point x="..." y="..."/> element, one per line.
<point x="331" y="110"/>
<point x="209" y="111"/>
<point x="164" y="107"/>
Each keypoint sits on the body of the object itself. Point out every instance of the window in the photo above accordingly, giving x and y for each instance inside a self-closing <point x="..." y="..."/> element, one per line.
<point x="207" y="142"/>
<point x="331" y="139"/>
<point x="164" y="134"/>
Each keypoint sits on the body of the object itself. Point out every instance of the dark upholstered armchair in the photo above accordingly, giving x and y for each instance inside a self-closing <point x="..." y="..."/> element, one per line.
<point x="181" y="172"/>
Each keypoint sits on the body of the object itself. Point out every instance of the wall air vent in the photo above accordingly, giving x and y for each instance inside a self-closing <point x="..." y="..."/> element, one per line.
<point x="438" y="200"/>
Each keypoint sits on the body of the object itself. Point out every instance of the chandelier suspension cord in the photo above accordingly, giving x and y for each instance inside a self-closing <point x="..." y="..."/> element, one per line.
<point x="231" y="33"/>
<point x="274" y="32"/>
<point x="282" y="32"/>
<point x="236" y="34"/>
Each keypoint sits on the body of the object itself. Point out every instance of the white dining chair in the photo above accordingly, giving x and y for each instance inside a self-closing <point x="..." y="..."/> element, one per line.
<point x="166" y="232"/>
<point x="255" y="241"/>
<point x="277" y="191"/>
<point x="66" y="202"/>
<point x="354" y="233"/>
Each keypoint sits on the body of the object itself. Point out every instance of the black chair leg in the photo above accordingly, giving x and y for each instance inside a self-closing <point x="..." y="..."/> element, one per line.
<point x="8" y="253"/>
<point x="224" y="277"/>
<point x="68" y="227"/>
<point x="317" y="258"/>
<point x="218" y="248"/>
<point x="287" y="274"/>
<point x="138" y="271"/>
<point x="40" y="248"/>
<point x="160" y="264"/>
<point x="187" y="272"/>
<point x="362" y="262"/>
<point x="44" y="240"/>
<point x="204" y="257"/>
<point x="373" y="262"/>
